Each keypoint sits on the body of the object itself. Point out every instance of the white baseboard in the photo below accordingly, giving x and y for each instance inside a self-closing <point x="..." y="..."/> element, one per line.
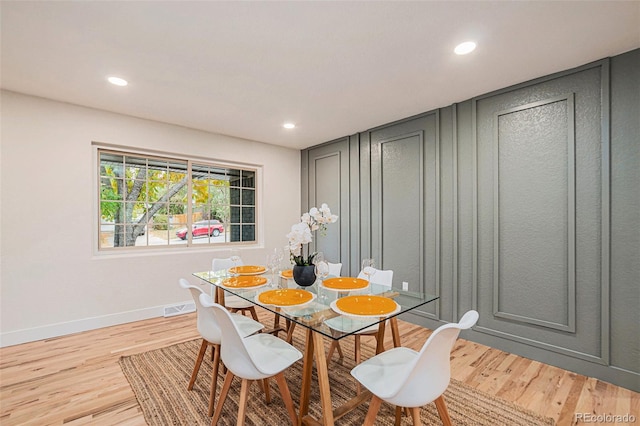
<point x="64" y="328"/>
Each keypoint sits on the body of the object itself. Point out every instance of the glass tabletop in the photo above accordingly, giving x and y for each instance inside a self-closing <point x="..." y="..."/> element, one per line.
<point x="335" y="313"/>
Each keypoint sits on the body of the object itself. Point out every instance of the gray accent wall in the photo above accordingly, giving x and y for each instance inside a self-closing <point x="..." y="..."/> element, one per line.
<point x="523" y="204"/>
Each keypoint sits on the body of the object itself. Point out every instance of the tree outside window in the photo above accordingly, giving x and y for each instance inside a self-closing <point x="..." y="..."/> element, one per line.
<point x="144" y="202"/>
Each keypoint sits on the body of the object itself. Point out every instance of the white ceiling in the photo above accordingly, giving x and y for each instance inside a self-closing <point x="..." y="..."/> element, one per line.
<point x="333" y="68"/>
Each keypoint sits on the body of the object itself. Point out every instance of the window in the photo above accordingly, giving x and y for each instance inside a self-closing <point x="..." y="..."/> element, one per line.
<point x="154" y="201"/>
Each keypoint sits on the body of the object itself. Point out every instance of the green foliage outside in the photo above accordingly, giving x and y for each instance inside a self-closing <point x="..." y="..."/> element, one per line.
<point x="134" y="196"/>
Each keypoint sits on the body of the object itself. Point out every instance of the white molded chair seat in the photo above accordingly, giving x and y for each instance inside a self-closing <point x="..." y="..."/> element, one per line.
<point x="408" y="378"/>
<point x="211" y="336"/>
<point x="256" y="357"/>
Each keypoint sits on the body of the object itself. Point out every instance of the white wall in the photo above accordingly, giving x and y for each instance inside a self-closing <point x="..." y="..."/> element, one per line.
<point x="52" y="279"/>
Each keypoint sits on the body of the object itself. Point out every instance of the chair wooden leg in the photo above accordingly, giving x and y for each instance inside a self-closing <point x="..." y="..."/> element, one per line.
<point x="442" y="410"/>
<point x="340" y="353"/>
<point x="398" y="415"/>
<point x="214" y="378"/>
<point x="335" y="344"/>
<point x="357" y="357"/>
<point x="332" y="348"/>
<point x="267" y="391"/>
<point x="242" y="402"/>
<point x="415" y="413"/>
<point x="290" y="327"/>
<point x="276" y="323"/>
<point x="196" y="368"/>
<point x="286" y="397"/>
<point x="223" y="396"/>
<point x="374" y="406"/>
<point x="254" y="314"/>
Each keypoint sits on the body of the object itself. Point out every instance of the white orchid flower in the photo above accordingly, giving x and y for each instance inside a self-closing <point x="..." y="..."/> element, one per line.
<point x="301" y="233"/>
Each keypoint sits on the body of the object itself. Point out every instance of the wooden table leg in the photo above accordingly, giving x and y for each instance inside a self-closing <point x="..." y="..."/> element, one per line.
<point x="307" y="370"/>
<point x="276" y="322"/>
<point x="393" y="322"/>
<point x="219" y="296"/>
<point x="380" y="338"/>
<point x="323" y="380"/>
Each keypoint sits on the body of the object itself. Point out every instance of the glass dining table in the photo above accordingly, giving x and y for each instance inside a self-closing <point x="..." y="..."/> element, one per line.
<point x="324" y="310"/>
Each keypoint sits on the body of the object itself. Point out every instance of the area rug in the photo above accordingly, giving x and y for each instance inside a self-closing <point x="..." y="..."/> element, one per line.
<point x="159" y="379"/>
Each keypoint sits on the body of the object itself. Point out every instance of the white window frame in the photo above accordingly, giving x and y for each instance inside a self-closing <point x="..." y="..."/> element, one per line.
<point x="98" y="148"/>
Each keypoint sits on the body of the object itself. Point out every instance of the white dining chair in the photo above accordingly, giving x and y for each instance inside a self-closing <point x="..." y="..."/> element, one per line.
<point x="208" y="328"/>
<point x="380" y="277"/>
<point x="256" y="357"/>
<point x="406" y="378"/>
<point x="232" y="302"/>
<point x="335" y="269"/>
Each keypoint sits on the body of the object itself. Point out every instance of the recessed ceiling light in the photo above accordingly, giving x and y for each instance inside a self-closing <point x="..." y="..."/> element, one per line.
<point x="464" y="48"/>
<point x="289" y="125"/>
<point x="117" y="81"/>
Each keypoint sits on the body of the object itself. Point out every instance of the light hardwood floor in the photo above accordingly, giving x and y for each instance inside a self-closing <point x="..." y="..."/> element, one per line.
<point x="76" y="379"/>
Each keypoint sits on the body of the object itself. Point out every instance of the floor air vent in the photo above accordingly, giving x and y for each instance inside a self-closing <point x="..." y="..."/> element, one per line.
<point x="182" y="308"/>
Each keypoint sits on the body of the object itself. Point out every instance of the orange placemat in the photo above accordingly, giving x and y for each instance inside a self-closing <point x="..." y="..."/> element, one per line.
<point x="248" y="270"/>
<point x="244" y="281"/>
<point x="345" y="283"/>
<point x="287" y="273"/>
<point x="285" y="297"/>
<point x="366" y="305"/>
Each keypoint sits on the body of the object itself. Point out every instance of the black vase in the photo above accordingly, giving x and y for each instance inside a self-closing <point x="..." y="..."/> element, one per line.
<point x="304" y="276"/>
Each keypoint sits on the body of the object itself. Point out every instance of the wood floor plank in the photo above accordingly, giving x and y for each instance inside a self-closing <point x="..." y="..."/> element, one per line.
<point x="76" y="379"/>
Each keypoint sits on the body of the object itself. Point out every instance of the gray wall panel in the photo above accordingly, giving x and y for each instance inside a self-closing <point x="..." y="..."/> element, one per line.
<point x="534" y="214"/>
<point x="400" y="209"/>
<point x="447" y="214"/>
<point x="586" y="342"/>
<point x="327" y="189"/>
<point x="328" y="182"/>
<point x="625" y="211"/>
<point x="354" y="205"/>
<point x="465" y="182"/>
<point x="365" y="243"/>
<point x="405" y="204"/>
<point x="522" y="203"/>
